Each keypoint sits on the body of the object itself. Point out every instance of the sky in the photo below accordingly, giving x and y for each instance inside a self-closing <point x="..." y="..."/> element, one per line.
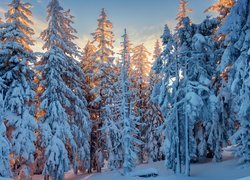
<point x="143" y="19"/>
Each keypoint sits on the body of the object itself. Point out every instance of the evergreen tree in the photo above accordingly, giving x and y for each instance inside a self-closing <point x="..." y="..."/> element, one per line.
<point x="128" y="119"/>
<point x="214" y="138"/>
<point x="139" y="72"/>
<point x="153" y="120"/>
<point x="153" y="117"/>
<point x="16" y="58"/>
<point x="204" y="49"/>
<point x="88" y="62"/>
<point x="196" y="56"/>
<point x="183" y="11"/>
<point x="65" y="125"/>
<point x="157" y="50"/>
<point x="104" y="78"/>
<point x="221" y="69"/>
<point x="237" y="51"/>
<point x="5" y="147"/>
<point x="89" y="68"/>
<point x="167" y="67"/>
<point x="184" y="97"/>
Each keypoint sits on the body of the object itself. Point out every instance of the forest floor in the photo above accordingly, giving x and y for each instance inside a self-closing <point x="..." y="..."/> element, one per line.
<point x="228" y="169"/>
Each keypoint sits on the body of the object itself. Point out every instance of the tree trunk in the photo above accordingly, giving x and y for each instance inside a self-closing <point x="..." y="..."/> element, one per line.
<point x="178" y="163"/>
<point x="187" y="158"/>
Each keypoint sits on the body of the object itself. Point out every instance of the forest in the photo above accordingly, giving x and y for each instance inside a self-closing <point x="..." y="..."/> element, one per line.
<point x="86" y="109"/>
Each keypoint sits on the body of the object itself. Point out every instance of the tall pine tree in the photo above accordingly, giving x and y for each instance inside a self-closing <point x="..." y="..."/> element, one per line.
<point x="103" y="90"/>
<point x="65" y="125"/>
<point x="16" y="58"/>
<point x="139" y="72"/>
<point x="129" y="121"/>
<point x="237" y="51"/>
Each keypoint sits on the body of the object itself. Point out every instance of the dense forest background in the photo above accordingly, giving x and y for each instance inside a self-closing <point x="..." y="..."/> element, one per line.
<point x="83" y="109"/>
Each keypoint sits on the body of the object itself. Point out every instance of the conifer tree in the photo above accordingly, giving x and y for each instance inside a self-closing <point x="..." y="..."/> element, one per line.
<point x="88" y="62"/>
<point x="183" y="12"/>
<point x="64" y="125"/>
<point x="128" y="119"/>
<point x="5" y="147"/>
<point x="89" y="68"/>
<point x="157" y="50"/>
<point x="167" y="67"/>
<point x="153" y="117"/>
<point x="153" y="121"/>
<point x="222" y="68"/>
<point x="139" y="72"/>
<point x="16" y="58"/>
<point x="237" y="51"/>
<point x="103" y="90"/>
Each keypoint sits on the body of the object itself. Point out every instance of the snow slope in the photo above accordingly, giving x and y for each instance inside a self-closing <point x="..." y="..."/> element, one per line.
<point x="228" y="169"/>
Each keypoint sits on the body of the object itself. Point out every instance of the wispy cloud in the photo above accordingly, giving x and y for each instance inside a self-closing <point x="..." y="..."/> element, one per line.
<point x="2" y="11"/>
<point x="38" y="26"/>
<point x="146" y="35"/>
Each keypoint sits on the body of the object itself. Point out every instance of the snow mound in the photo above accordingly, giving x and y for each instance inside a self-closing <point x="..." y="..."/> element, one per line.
<point x="149" y="172"/>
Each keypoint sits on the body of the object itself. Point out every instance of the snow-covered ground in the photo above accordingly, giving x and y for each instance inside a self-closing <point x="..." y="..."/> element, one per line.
<point x="228" y="169"/>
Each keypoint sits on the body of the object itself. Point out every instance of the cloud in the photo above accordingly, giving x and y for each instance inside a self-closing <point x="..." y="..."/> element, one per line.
<point x="38" y="26"/>
<point x="2" y="11"/>
<point x="82" y="40"/>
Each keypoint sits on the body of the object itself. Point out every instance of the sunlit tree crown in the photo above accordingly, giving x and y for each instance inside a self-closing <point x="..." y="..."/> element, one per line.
<point x="183" y="10"/>
<point x="60" y="32"/>
<point x="222" y="7"/>
<point x="89" y="50"/>
<point x="126" y="49"/>
<point x="140" y="60"/>
<point x="104" y="38"/>
<point x="19" y="16"/>
<point x="157" y="50"/>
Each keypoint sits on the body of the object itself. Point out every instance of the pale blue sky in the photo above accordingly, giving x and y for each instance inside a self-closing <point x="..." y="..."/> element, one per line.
<point x="144" y="19"/>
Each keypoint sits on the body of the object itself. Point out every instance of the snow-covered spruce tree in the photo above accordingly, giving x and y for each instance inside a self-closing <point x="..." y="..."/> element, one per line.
<point x="103" y="91"/>
<point x="64" y="125"/>
<point x="165" y="94"/>
<point x="5" y="146"/>
<point x="185" y="33"/>
<point x="223" y="65"/>
<point x="171" y="90"/>
<point x="153" y="120"/>
<point x="183" y="98"/>
<point x="89" y="68"/>
<point x="216" y="128"/>
<point x="139" y="72"/>
<point x="16" y="57"/>
<point x="88" y="61"/>
<point x="196" y="54"/>
<point x="214" y="138"/>
<point x="183" y="43"/>
<point x="130" y="141"/>
<point x="238" y="52"/>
